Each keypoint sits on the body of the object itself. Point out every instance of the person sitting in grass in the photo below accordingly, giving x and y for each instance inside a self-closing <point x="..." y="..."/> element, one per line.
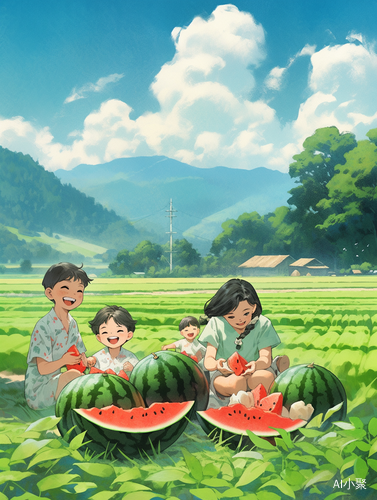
<point x="53" y="335"/>
<point x="236" y="324"/>
<point x="190" y="329"/>
<point x="113" y="327"/>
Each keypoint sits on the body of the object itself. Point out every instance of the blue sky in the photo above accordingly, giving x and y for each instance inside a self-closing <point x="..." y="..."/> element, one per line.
<point x="239" y="85"/>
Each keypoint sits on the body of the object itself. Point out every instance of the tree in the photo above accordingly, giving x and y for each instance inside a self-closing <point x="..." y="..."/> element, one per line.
<point x="25" y="266"/>
<point x="314" y="168"/>
<point x="352" y="201"/>
<point x="185" y="254"/>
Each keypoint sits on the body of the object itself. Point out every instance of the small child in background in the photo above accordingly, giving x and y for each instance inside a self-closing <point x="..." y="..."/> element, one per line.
<point x="190" y="329"/>
<point x="113" y="327"/>
<point x="53" y="335"/>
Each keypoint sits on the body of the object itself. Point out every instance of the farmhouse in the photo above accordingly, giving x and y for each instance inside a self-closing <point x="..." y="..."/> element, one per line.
<point x="267" y="265"/>
<point x="313" y="267"/>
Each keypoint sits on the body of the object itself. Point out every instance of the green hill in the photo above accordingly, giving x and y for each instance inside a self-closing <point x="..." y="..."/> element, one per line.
<point x="35" y="201"/>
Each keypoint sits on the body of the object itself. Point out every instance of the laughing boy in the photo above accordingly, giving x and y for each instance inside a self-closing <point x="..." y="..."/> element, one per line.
<point x="113" y="327"/>
<point x="53" y="335"/>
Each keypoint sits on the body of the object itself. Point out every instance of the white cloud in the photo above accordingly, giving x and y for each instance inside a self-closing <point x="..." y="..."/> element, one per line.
<point x="99" y="86"/>
<point x="207" y="114"/>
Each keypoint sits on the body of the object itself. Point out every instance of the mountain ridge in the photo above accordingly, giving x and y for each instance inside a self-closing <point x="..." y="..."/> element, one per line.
<point x="140" y="188"/>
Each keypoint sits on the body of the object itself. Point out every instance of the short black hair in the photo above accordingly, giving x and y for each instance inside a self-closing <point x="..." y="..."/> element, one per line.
<point x="189" y="320"/>
<point x="120" y="315"/>
<point x="65" y="271"/>
<point x="227" y="298"/>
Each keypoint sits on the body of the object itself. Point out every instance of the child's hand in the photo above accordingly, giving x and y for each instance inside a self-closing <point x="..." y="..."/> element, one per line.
<point x="250" y="368"/>
<point x="128" y="367"/>
<point x="84" y="359"/>
<point x="164" y="347"/>
<point x="223" y="369"/>
<point x="69" y="358"/>
<point x="91" y="361"/>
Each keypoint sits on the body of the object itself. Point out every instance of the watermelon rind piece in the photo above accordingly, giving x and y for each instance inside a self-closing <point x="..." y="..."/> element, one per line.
<point x="167" y="376"/>
<point x="313" y="384"/>
<point x="122" y="438"/>
<point x="94" y="390"/>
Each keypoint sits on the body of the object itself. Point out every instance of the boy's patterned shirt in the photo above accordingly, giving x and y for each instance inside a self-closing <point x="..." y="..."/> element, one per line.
<point x="49" y="341"/>
<point x="104" y="361"/>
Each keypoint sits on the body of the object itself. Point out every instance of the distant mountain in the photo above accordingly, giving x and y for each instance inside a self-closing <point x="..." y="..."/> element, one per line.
<point x="34" y="200"/>
<point x="140" y="189"/>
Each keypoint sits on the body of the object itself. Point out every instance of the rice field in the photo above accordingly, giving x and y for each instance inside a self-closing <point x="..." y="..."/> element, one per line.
<point x="316" y="323"/>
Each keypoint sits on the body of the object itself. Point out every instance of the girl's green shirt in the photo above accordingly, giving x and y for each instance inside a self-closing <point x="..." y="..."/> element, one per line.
<point x="221" y="335"/>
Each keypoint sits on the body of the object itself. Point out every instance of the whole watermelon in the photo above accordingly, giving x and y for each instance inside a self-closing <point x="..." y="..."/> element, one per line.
<point x="312" y="384"/>
<point x="94" y="390"/>
<point x="167" y="376"/>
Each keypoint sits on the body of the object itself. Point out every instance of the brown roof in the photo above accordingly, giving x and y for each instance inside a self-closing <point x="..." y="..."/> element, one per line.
<point x="317" y="267"/>
<point x="265" y="261"/>
<point x="306" y="262"/>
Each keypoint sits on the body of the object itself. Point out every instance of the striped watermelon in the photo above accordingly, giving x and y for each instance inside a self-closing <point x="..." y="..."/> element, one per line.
<point x="133" y="432"/>
<point x="312" y="384"/>
<point x="94" y="390"/>
<point x="168" y="376"/>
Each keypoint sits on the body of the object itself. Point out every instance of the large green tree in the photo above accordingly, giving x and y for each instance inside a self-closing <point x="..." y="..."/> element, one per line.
<point x="352" y="203"/>
<point x="313" y="169"/>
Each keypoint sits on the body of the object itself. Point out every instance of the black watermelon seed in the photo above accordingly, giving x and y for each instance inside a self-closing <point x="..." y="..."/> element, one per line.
<point x="100" y="412"/>
<point x="248" y="418"/>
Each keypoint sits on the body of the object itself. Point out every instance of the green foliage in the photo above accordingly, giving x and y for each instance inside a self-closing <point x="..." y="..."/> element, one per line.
<point x="36" y="463"/>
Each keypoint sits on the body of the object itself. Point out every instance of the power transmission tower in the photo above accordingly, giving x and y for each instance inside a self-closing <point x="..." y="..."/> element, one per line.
<point x="171" y="232"/>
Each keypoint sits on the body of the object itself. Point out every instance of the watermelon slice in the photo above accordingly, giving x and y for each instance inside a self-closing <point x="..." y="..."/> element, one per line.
<point x="122" y="373"/>
<point x="80" y="366"/>
<point x="259" y="393"/>
<point x="237" y="363"/>
<point x="233" y="421"/>
<point x="272" y="402"/>
<point x="130" y="432"/>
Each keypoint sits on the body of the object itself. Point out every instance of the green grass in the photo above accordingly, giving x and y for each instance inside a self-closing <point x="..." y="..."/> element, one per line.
<point x="337" y="330"/>
<point x="62" y="243"/>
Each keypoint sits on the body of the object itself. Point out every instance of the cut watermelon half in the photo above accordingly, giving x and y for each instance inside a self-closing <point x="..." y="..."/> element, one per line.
<point x="136" y="430"/>
<point x="237" y="363"/>
<point x="236" y="419"/>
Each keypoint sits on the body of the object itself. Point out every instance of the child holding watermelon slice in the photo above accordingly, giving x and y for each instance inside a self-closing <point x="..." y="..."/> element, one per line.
<point x="236" y="324"/>
<point x="189" y="345"/>
<point x="56" y="341"/>
<point x="113" y="327"/>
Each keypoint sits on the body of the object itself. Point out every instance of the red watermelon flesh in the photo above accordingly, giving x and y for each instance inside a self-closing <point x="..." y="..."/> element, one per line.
<point x="136" y="420"/>
<point x="80" y="366"/>
<point x="259" y="393"/>
<point x="122" y="373"/>
<point x="272" y="403"/>
<point x="95" y="370"/>
<point x="236" y="419"/>
<point x="237" y="363"/>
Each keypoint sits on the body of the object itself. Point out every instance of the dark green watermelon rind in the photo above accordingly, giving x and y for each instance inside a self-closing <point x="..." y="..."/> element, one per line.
<point x="94" y="390"/>
<point x="316" y="386"/>
<point x="131" y="444"/>
<point x="175" y="378"/>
